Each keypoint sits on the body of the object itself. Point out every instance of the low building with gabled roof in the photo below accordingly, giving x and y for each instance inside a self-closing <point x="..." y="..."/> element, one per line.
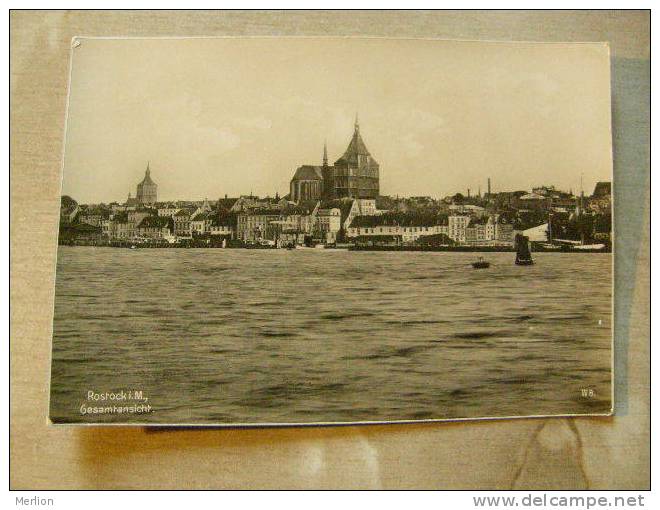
<point x="226" y="204"/>
<point x="200" y="223"/>
<point x="223" y="224"/>
<point x="155" y="227"/>
<point x="406" y="227"/>
<point x="182" y="223"/>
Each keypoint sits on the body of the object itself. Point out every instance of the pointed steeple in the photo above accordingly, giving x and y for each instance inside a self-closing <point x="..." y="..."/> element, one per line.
<point x="356" y="152"/>
<point x="325" y="153"/>
<point x="147" y="176"/>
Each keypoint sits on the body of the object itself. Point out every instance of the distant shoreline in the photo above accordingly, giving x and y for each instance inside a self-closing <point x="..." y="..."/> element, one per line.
<point x="474" y="249"/>
<point x="468" y="249"/>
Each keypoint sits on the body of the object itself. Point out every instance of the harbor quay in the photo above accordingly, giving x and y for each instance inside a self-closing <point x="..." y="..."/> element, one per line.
<point x="340" y="205"/>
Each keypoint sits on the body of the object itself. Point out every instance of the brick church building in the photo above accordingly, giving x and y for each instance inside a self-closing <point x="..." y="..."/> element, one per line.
<point x="354" y="175"/>
<point x="147" y="190"/>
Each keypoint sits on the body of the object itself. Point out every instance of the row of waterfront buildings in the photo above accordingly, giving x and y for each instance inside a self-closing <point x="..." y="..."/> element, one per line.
<point x="279" y="221"/>
<point x="339" y="203"/>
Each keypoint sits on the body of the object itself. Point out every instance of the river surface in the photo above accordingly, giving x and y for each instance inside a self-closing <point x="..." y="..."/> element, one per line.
<point x="218" y="336"/>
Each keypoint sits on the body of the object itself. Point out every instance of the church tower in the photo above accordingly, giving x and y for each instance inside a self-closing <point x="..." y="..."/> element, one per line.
<point x="356" y="173"/>
<point x="147" y="190"/>
<point x="326" y="172"/>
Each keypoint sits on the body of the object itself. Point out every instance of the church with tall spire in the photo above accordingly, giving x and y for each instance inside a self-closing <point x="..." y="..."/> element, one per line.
<point x="147" y="190"/>
<point x="354" y="175"/>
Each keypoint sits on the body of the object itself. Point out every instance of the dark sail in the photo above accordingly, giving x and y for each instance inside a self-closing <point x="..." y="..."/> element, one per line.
<point x="523" y="256"/>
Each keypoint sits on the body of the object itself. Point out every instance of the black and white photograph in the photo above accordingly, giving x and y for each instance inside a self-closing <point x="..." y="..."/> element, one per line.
<point x="319" y="230"/>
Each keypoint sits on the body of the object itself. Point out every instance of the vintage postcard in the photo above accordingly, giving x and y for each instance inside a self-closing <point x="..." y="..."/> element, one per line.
<point x="333" y="230"/>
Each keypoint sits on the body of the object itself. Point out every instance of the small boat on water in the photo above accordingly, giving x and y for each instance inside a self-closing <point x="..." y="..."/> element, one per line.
<point x="523" y="255"/>
<point x="481" y="264"/>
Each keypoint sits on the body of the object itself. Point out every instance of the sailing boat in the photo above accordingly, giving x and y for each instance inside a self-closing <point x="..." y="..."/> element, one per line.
<point x="481" y="264"/>
<point x="523" y="256"/>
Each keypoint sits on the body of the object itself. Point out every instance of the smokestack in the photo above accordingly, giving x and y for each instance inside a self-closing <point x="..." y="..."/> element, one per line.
<point x="468" y="192"/>
<point x="489" y="186"/>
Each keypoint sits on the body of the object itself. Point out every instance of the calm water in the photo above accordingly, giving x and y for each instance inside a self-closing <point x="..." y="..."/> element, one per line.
<point x="218" y="336"/>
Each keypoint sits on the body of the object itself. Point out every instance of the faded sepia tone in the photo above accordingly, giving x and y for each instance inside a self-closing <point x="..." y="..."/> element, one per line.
<point x="233" y="116"/>
<point x="390" y="317"/>
<point x="561" y="450"/>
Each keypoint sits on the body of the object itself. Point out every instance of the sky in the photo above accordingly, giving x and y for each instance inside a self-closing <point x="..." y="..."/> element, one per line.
<point x="234" y="116"/>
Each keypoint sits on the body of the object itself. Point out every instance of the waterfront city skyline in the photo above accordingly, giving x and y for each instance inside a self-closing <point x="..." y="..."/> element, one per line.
<point x="213" y="122"/>
<point x="350" y="297"/>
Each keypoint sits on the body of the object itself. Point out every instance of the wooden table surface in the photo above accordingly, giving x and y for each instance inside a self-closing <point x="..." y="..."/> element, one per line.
<point x="598" y="453"/>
